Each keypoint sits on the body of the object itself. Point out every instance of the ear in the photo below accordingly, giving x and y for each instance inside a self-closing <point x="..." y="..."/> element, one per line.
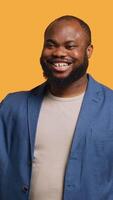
<point x="89" y="50"/>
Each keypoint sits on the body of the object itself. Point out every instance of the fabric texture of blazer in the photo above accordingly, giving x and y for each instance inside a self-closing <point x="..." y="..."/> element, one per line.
<point x="89" y="170"/>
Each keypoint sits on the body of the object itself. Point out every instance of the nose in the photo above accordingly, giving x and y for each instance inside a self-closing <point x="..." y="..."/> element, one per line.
<point x="59" y="52"/>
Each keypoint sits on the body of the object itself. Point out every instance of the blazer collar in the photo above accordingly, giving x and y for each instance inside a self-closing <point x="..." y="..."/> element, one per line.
<point x="92" y="96"/>
<point x="91" y="105"/>
<point x="34" y="104"/>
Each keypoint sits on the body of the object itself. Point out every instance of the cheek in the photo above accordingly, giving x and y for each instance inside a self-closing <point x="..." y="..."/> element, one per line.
<point x="46" y="53"/>
<point x="78" y="55"/>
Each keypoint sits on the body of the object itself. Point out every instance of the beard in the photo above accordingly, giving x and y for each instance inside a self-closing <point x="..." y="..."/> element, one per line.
<point x="62" y="83"/>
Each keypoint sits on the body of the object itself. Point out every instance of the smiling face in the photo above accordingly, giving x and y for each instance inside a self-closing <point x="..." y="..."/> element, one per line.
<point x="65" y="53"/>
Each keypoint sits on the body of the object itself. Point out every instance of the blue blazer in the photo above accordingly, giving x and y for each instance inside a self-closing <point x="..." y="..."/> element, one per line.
<point x="89" y="170"/>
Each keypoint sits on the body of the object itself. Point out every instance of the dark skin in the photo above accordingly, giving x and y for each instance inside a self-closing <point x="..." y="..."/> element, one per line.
<point x="66" y="42"/>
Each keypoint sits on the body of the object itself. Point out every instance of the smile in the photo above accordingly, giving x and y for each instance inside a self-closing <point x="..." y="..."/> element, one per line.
<point x="60" y="66"/>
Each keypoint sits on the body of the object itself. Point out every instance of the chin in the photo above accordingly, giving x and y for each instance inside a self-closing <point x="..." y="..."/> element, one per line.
<point x="60" y="75"/>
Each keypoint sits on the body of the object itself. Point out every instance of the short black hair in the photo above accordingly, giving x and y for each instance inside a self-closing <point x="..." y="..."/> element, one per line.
<point x="83" y="24"/>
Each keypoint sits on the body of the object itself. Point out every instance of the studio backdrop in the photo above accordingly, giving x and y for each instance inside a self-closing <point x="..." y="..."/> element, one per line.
<point x="21" y="39"/>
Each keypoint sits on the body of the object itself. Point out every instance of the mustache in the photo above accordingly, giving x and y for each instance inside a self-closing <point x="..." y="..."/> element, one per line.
<point x="59" y="60"/>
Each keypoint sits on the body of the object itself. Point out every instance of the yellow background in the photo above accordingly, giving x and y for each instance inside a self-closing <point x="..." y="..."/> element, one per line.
<point x="21" y="38"/>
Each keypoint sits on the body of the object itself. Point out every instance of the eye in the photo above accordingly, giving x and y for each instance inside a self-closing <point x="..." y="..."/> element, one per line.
<point x="71" y="47"/>
<point x="49" y="45"/>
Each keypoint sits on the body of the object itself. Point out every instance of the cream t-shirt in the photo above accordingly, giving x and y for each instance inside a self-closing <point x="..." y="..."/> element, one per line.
<point x="55" y="129"/>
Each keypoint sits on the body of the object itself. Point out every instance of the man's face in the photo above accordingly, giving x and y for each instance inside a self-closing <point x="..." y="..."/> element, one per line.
<point x="65" y="53"/>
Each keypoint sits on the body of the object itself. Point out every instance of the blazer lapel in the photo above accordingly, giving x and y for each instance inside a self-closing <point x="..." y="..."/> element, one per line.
<point x="34" y="105"/>
<point x="89" y="111"/>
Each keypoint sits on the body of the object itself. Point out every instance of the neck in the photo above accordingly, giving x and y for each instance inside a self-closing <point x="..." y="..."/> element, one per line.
<point x="75" y="89"/>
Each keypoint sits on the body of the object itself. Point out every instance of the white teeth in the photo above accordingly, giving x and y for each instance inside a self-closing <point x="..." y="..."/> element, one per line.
<point x="61" y="64"/>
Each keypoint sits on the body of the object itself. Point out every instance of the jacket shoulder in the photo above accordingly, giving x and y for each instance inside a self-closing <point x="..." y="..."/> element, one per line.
<point x="17" y="99"/>
<point x="100" y="87"/>
<point x="106" y="90"/>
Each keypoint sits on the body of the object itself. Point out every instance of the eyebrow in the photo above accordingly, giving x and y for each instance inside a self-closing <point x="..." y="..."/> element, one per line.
<point x="70" y="41"/>
<point x="52" y="41"/>
<point x="55" y="42"/>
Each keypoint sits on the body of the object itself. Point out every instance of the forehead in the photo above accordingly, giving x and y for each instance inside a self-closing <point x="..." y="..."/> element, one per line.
<point x="65" y="30"/>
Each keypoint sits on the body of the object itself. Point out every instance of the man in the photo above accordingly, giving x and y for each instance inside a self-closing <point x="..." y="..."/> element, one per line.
<point x="56" y="141"/>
